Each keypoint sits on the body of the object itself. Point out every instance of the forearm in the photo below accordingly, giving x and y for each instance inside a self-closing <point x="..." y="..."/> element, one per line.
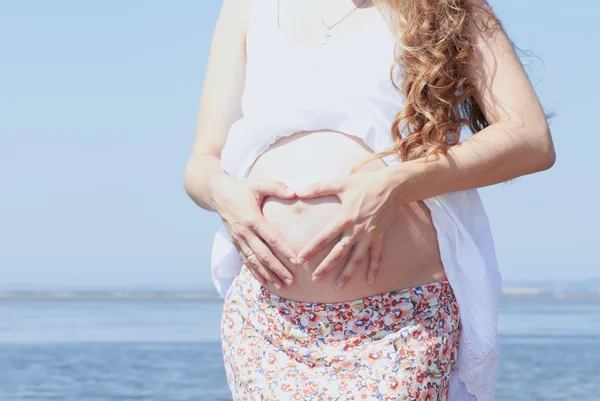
<point x="498" y="153"/>
<point x="202" y="172"/>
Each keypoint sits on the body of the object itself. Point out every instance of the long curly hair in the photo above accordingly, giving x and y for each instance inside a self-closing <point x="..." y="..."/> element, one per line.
<point x="433" y="50"/>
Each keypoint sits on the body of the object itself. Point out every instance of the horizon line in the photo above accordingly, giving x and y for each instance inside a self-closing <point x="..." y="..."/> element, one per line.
<point x="166" y="294"/>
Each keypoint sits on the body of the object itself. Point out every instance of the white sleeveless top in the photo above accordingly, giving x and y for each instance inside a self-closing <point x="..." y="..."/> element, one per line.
<point x="345" y="86"/>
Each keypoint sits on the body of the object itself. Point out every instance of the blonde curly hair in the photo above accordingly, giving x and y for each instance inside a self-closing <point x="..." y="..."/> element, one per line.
<point x="436" y="49"/>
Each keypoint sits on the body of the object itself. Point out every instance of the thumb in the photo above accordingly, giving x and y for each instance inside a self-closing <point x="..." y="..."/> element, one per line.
<point x="275" y="188"/>
<point x="332" y="187"/>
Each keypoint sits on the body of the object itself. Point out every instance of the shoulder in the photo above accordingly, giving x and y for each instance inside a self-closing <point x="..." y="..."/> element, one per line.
<point x="480" y="9"/>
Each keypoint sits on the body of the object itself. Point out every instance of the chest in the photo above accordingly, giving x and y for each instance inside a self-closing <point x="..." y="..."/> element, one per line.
<point x="284" y="73"/>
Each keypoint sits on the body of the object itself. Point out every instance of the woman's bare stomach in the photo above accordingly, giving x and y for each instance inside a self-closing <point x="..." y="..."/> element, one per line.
<point x="410" y="254"/>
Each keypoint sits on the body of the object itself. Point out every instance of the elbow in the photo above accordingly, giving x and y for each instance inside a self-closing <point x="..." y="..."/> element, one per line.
<point x="185" y="177"/>
<point x="186" y="184"/>
<point x="188" y="179"/>
<point x="547" y="160"/>
<point x="546" y="154"/>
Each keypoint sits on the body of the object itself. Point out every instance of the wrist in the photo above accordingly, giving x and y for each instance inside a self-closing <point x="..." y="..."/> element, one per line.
<point x="404" y="178"/>
<point x="216" y="189"/>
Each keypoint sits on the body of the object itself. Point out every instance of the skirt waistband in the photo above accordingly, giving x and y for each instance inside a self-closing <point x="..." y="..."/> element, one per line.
<point x="368" y="316"/>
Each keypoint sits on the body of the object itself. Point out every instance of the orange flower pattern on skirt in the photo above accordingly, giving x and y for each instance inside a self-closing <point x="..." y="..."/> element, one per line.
<point x="399" y="345"/>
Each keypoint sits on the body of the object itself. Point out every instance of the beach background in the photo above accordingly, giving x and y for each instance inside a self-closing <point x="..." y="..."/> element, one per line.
<point x="165" y="346"/>
<point x="105" y="288"/>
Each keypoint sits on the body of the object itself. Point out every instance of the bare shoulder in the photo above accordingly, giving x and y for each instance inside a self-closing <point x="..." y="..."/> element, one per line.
<point x="220" y="104"/>
<point x="482" y="11"/>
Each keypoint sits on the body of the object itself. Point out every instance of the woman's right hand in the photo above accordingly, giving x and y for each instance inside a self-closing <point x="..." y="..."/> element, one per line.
<point x="239" y="203"/>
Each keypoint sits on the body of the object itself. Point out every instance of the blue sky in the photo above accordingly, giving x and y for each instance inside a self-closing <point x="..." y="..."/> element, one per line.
<point x="98" y="105"/>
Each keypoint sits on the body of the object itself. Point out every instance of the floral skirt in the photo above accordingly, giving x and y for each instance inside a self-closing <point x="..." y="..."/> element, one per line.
<point x="399" y="345"/>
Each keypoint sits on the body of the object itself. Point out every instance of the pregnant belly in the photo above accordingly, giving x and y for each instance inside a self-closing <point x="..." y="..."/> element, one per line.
<point x="410" y="250"/>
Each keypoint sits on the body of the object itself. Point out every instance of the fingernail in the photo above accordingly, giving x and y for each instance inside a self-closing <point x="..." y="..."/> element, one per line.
<point x="277" y="286"/>
<point x="289" y="191"/>
<point x="339" y="285"/>
<point x="293" y="261"/>
<point x="371" y="279"/>
<point x="315" y="278"/>
<point x="301" y="261"/>
<point x="288" y="281"/>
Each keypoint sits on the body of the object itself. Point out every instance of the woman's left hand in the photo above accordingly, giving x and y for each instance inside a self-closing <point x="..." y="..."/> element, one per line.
<point x="369" y="206"/>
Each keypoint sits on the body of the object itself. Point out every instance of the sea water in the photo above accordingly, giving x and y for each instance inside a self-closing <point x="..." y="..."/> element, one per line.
<point x="169" y="350"/>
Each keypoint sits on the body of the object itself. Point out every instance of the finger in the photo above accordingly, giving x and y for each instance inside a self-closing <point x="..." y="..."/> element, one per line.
<point x="337" y="253"/>
<point x="322" y="188"/>
<point x="358" y="256"/>
<point x="270" y="277"/>
<point x="275" y="241"/>
<point x="263" y="274"/>
<point x="324" y="237"/>
<point x="256" y="274"/>
<point x="268" y="263"/>
<point x="274" y="188"/>
<point x="374" y="260"/>
<point x="252" y="265"/>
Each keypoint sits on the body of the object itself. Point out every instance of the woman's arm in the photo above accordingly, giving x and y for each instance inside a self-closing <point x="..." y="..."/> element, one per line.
<point x="517" y="141"/>
<point x="220" y="104"/>
<point x="237" y="201"/>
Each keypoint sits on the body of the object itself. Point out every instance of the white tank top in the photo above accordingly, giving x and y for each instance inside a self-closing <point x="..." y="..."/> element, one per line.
<point x="345" y="86"/>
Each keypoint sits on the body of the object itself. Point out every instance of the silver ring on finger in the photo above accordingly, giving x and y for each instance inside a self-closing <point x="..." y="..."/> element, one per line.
<point x="248" y="254"/>
<point x="344" y="243"/>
